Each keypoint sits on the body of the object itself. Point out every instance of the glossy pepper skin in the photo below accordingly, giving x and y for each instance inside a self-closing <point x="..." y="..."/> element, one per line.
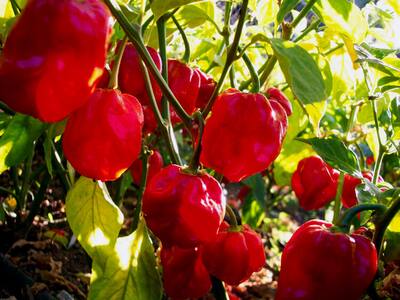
<point x="319" y="264"/>
<point x="314" y="183"/>
<point x="184" y="83"/>
<point x="103" y="138"/>
<point x="277" y="95"/>
<point x="184" y="274"/>
<point x="131" y="78"/>
<point x="155" y="164"/>
<point x="207" y="87"/>
<point x="52" y="57"/>
<point x="234" y="255"/>
<point x="244" y="134"/>
<point x="182" y="209"/>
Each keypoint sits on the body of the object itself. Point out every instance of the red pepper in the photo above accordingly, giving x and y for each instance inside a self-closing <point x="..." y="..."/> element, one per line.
<point x="150" y="122"/>
<point x="349" y="197"/>
<point x="53" y="56"/>
<point x="320" y="264"/>
<point x="184" y="274"/>
<point x="314" y="183"/>
<point x="184" y="83"/>
<point x="103" y="138"/>
<point x="244" y="134"/>
<point x="155" y="164"/>
<point x="277" y="95"/>
<point x="207" y="87"/>
<point x="131" y="78"/>
<point x="182" y="209"/>
<point x="234" y="255"/>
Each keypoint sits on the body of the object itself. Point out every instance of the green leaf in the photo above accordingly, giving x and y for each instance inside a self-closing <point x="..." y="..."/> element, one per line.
<point x="93" y="218"/>
<point x="285" y="8"/>
<point x="18" y="140"/>
<point x="334" y="152"/>
<point x="344" y="17"/>
<point x="195" y="15"/>
<point x="131" y="271"/>
<point x="300" y="70"/>
<point x="160" y="7"/>
<point x="48" y="154"/>
<point x="257" y="185"/>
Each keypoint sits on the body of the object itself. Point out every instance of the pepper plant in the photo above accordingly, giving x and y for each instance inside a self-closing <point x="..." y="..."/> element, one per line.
<point x="177" y="100"/>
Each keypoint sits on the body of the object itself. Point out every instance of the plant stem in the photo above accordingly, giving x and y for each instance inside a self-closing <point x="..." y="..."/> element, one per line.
<point x="253" y="73"/>
<point x="186" y="55"/>
<point x="268" y="69"/>
<point x="38" y="199"/>
<point x="15" y="7"/>
<point x="348" y="216"/>
<point x="113" y="83"/>
<point x="4" y="107"/>
<point x="311" y="27"/>
<point x="25" y="182"/>
<point x="232" y="216"/>
<point x="194" y="163"/>
<point x="338" y="202"/>
<point x="303" y="12"/>
<point x="145" y="158"/>
<point x="384" y="222"/>
<point x="231" y="57"/>
<point x="135" y="37"/>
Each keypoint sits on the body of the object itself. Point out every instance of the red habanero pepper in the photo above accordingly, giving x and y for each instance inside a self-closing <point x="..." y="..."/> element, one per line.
<point x="277" y="95"/>
<point x="53" y="56"/>
<point x="207" y="87"/>
<point x="319" y="264"/>
<point x="235" y="254"/>
<point x="103" y="138"/>
<point x="349" y="198"/>
<point x="184" y="83"/>
<point x="131" y="78"/>
<point x="244" y="134"/>
<point x="183" y="209"/>
<point x="155" y="164"/>
<point x="314" y="183"/>
<point x="184" y="274"/>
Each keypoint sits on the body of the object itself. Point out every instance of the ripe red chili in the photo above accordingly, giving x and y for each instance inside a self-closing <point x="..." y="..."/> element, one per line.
<point x="234" y="255"/>
<point x="277" y="95"/>
<point x="207" y="87"/>
<point x="52" y="57"/>
<point x="320" y="264"/>
<point x="131" y="78"/>
<point x="314" y="183"/>
<point x="184" y="83"/>
<point x="103" y="138"/>
<point x="182" y="209"/>
<point x="184" y="274"/>
<point x="155" y="164"/>
<point x="244" y="134"/>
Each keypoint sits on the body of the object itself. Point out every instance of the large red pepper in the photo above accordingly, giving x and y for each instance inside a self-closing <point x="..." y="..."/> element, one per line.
<point x="320" y="264"/>
<point x="103" y="138"/>
<point x="131" y="78"/>
<point x="155" y="164"/>
<point x="277" y="95"/>
<point x="314" y="183"/>
<point x="53" y="56"/>
<point x="234" y="255"/>
<point x="244" y="134"/>
<point x="182" y="209"/>
<point x="184" y="274"/>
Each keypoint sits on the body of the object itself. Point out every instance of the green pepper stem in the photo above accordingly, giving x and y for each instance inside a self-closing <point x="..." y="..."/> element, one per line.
<point x="186" y="55"/>
<point x="194" y="163"/>
<point x="253" y="73"/>
<point x="338" y="202"/>
<point x="232" y="217"/>
<point x="113" y="83"/>
<point x="347" y="218"/>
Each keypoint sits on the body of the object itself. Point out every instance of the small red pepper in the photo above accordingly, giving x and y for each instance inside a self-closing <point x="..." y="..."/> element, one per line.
<point x="314" y="183"/>
<point x="155" y="164"/>
<point x="277" y="95"/>
<point x="244" y="134"/>
<point x="319" y="264"/>
<point x="53" y="56"/>
<point x="207" y="87"/>
<point x="234" y="255"/>
<point x="103" y="138"/>
<point x="131" y="78"/>
<point x="184" y="274"/>
<point x="184" y="83"/>
<point x="183" y="209"/>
